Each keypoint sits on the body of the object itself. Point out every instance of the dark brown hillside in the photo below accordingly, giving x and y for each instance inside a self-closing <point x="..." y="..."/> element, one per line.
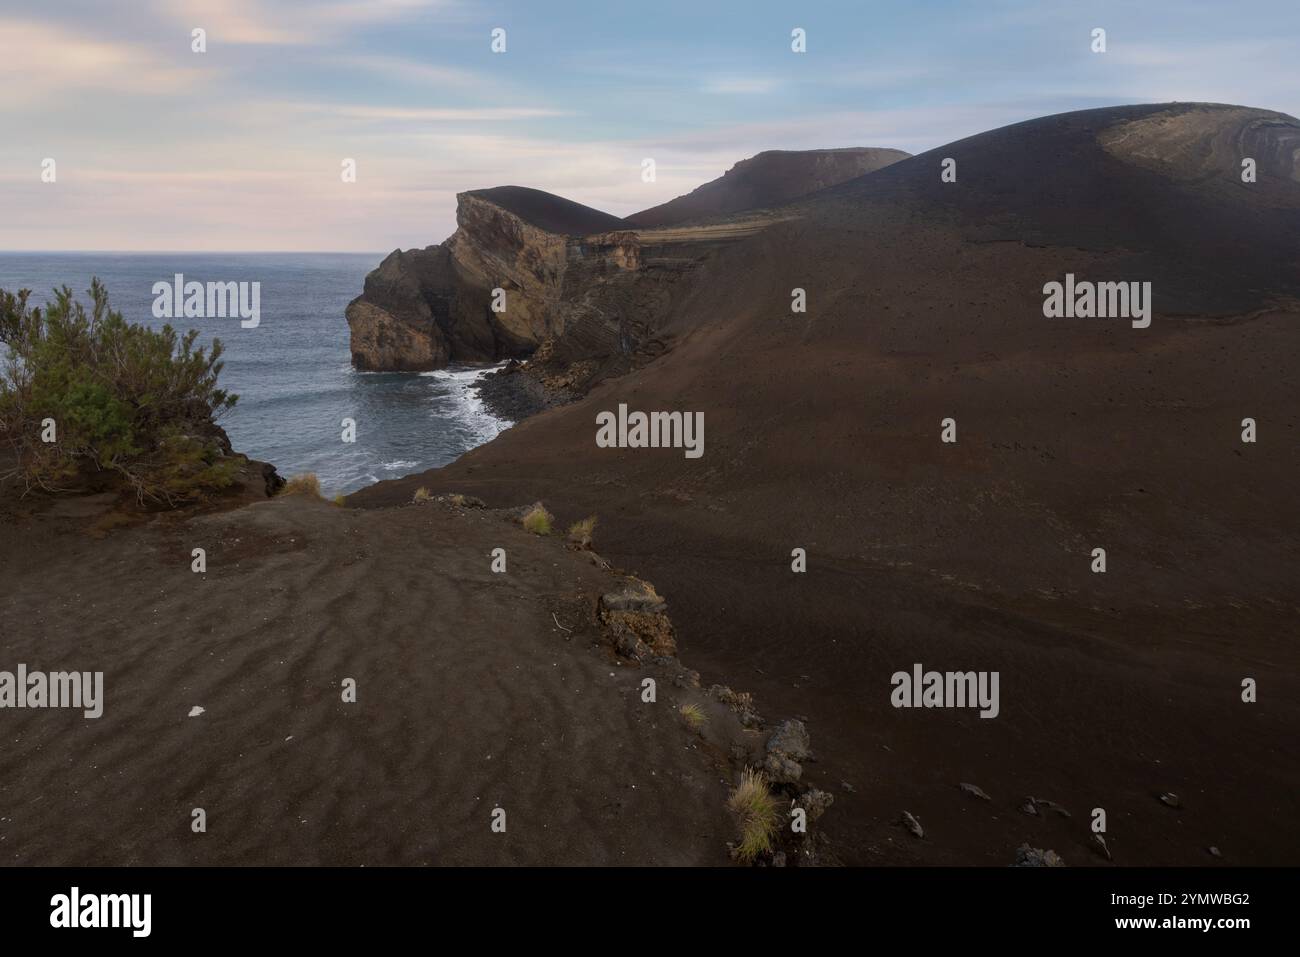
<point x="823" y="432"/>
<point x="770" y="178"/>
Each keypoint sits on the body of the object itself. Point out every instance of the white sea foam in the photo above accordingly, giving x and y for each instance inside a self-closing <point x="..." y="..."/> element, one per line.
<point x="464" y="404"/>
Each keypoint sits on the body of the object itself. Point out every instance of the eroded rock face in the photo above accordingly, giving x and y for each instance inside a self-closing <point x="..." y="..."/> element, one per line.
<point x="584" y="292"/>
<point x="416" y="314"/>
<point x="426" y="307"/>
<point x="382" y="341"/>
<point x="495" y="248"/>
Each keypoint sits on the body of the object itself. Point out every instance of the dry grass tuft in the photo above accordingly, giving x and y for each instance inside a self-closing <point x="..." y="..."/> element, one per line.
<point x="755" y="810"/>
<point x="538" y="521"/>
<point x="306" y="484"/>
<point x="694" y="716"/>
<point x="580" y="532"/>
<point x="421" y="496"/>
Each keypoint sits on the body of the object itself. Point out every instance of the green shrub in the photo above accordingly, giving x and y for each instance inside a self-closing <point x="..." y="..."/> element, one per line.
<point x="123" y="398"/>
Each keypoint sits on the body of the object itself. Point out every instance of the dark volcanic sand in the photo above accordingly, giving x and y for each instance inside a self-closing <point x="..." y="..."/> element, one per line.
<point x="469" y="696"/>
<point x="822" y="431"/>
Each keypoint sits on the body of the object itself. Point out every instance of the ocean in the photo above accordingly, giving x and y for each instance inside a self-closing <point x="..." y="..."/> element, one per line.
<point x="292" y="373"/>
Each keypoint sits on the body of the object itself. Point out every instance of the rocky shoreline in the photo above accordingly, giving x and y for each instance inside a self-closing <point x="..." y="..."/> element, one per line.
<point x="513" y="393"/>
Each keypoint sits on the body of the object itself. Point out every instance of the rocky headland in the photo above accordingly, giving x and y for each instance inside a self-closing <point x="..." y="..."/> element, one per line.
<point x="583" y="295"/>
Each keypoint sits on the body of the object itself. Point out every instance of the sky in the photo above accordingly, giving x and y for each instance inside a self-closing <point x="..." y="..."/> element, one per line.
<point x="157" y="147"/>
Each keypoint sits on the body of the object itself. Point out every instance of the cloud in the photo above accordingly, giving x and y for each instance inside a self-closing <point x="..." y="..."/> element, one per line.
<point x="289" y="22"/>
<point x="39" y="61"/>
<point x="489" y="114"/>
<point x="416" y="72"/>
<point x="740" y="85"/>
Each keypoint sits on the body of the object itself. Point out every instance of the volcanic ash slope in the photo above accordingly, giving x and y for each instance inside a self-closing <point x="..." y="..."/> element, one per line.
<point x="925" y="302"/>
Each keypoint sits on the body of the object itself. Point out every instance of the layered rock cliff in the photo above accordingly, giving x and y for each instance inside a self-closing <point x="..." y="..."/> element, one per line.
<point x="581" y="293"/>
<point x="581" y="305"/>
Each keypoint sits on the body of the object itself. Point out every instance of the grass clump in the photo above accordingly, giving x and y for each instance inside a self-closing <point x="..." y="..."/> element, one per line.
<point x="580" y="532"/>
<point x="340" y="500"/>
<point x="83" y="392"/>
<point x="421" y="495"/>
<point x="694" y="716"/>
<point x="755" y="810"/>
<point x="538" y="520"/>
<point x="306" y="484"/>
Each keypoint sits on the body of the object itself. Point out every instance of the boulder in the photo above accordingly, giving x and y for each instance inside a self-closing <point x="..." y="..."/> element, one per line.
<point x="791" y="740"/>
<point x="1027" y="856"/>
<point x="633" y="595"/>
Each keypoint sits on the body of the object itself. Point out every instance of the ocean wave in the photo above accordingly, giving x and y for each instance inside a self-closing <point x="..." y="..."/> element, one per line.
<point x="462" y="404"/>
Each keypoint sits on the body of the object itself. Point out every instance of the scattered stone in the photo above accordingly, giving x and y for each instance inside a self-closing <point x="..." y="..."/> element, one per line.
<point x="778" y="859"/>
<point x="1213" y="852"/>
<point x="1170" y="799"/>
<point x="464" y="501"/>
<point x="630" y="646"/>
<point x="633" y="595"/>
<point x="912" y="824"/>
<point x="687" y="679"/>
<point x="781" y="770"/>
<point x="787" y="746"/>
<point x="847" y="788"/>
<point x="740" y="703"/>
<point x="815" y="802"/>
<point x="1027" y="856"/>
<point x="1100" y="842"/>
<point x="974" y="791"/>
<point x="196" y="711"/>
<point x="1030" y="807"/>
<point x="1051" y="806"/>
<point x="640" y="635"/>
<point x="791" y="739"/>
